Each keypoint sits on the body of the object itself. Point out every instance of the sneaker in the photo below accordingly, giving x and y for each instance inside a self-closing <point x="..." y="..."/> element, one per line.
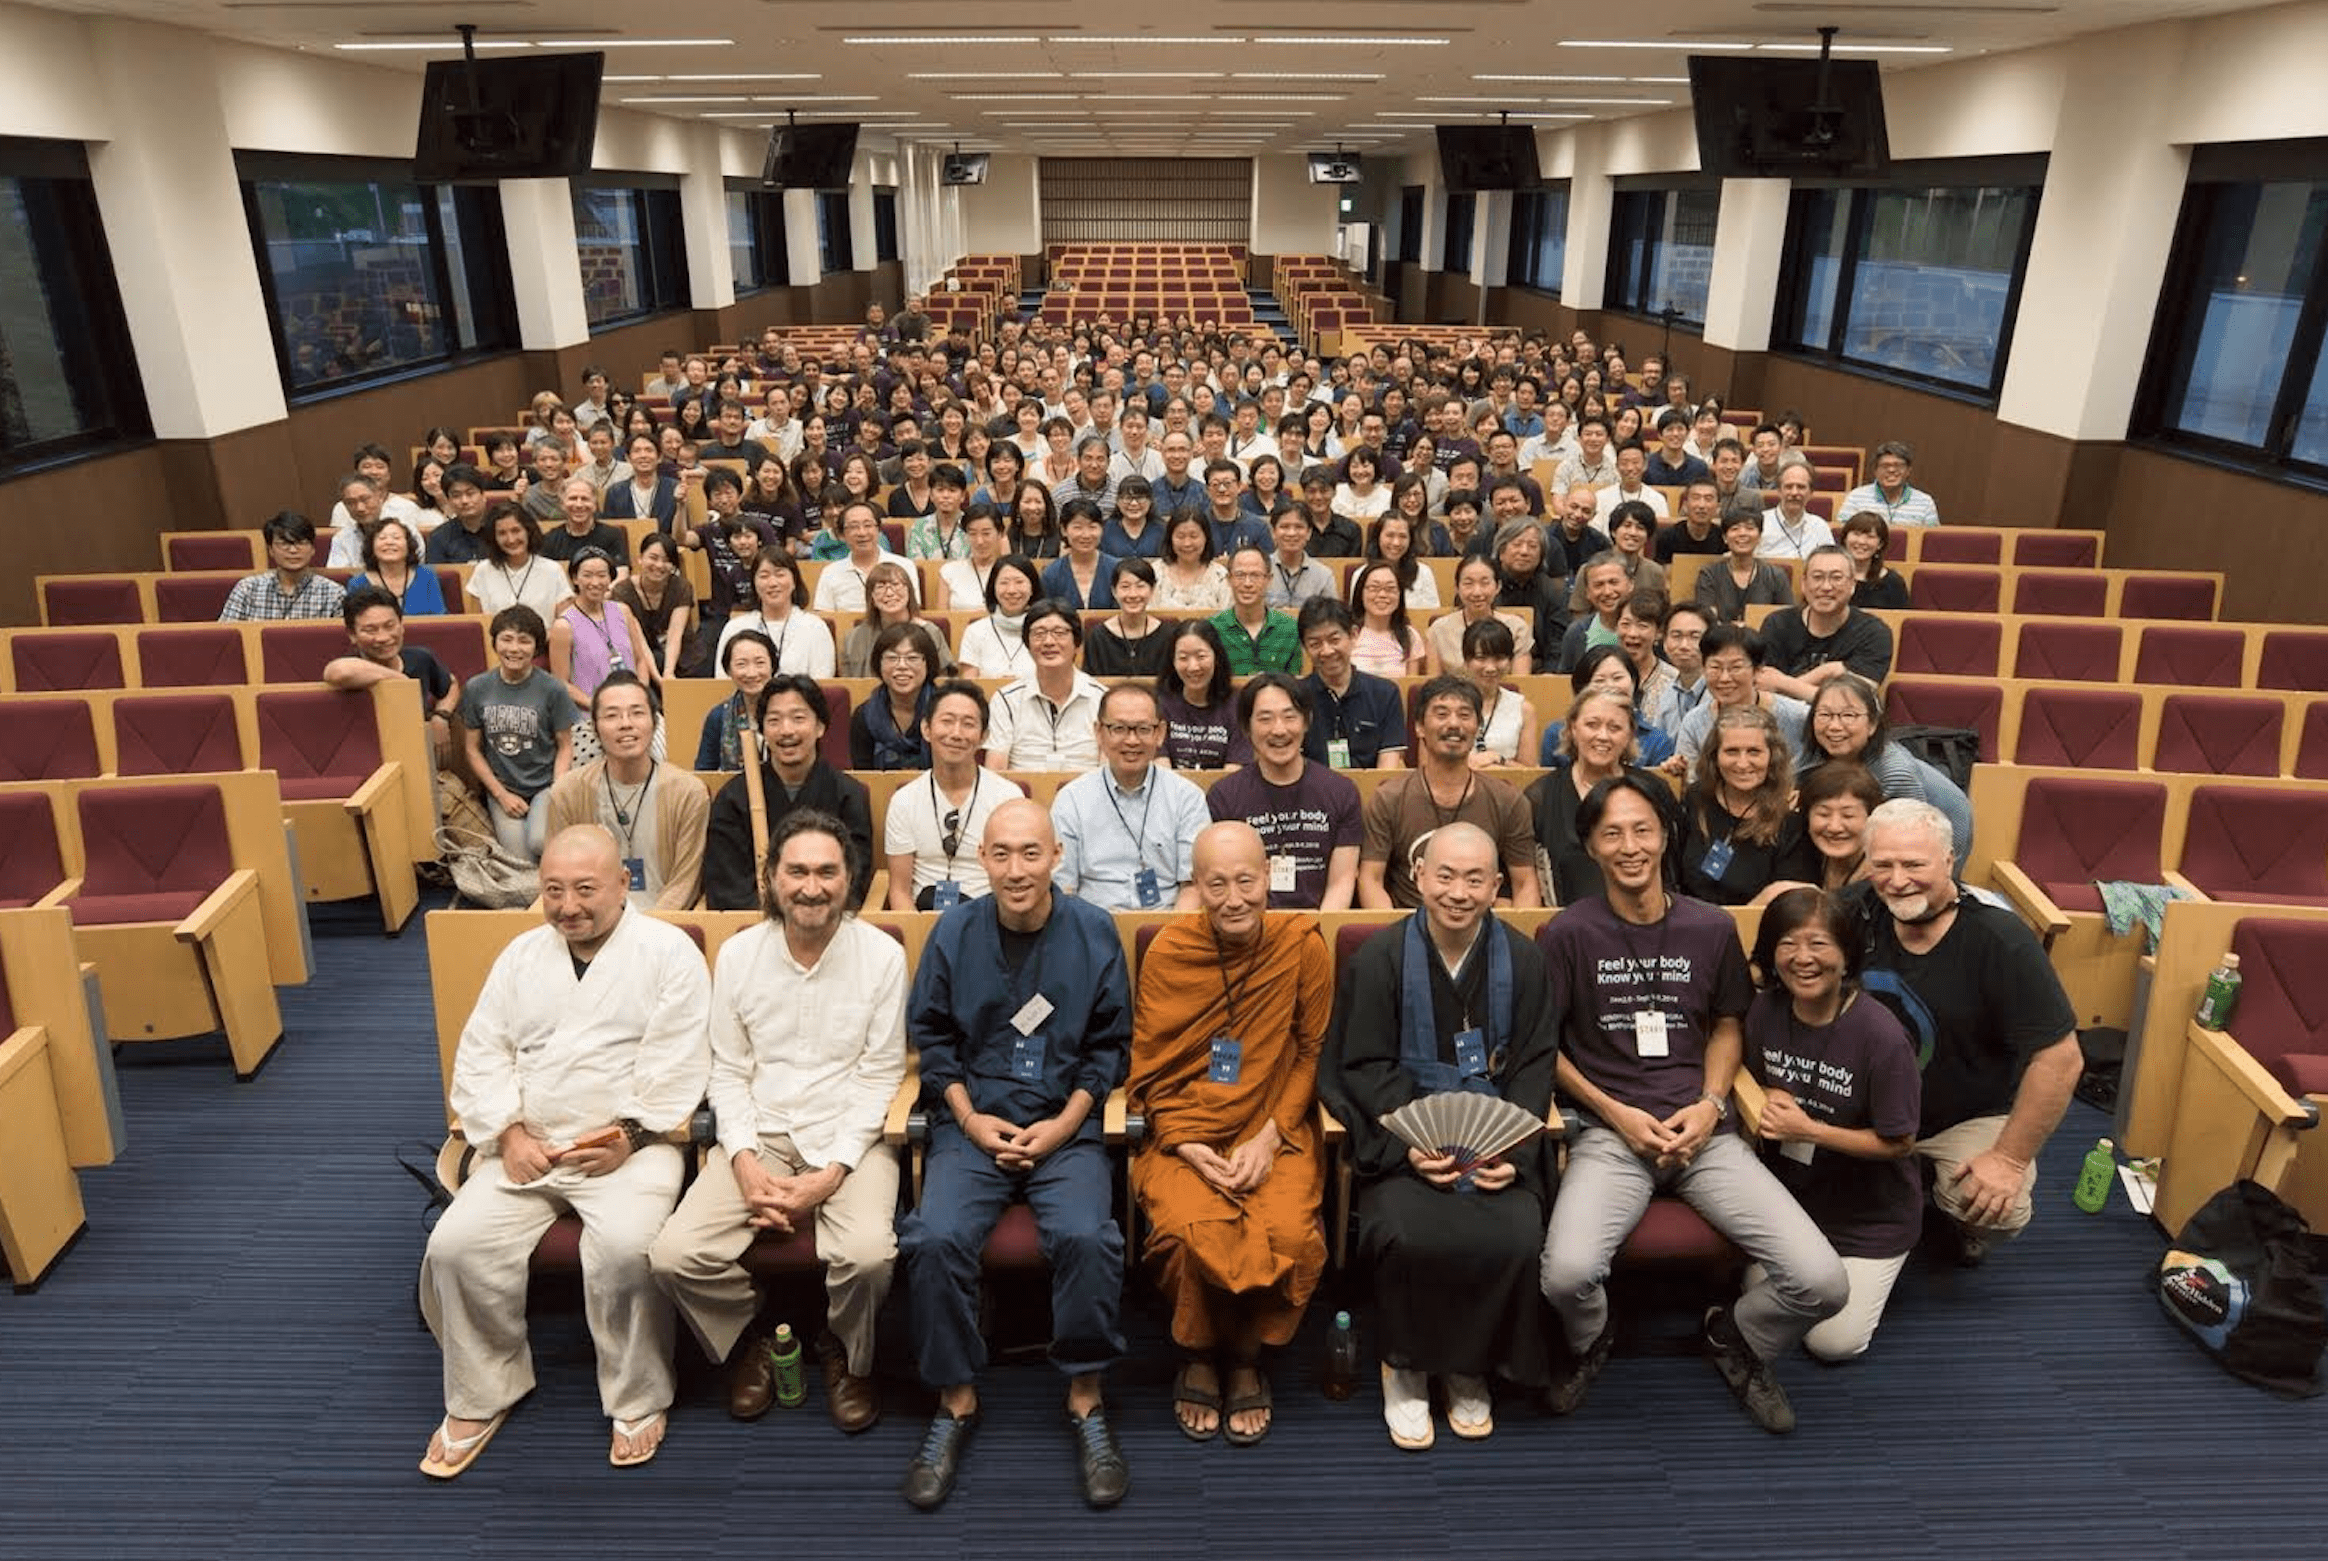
<point x="1099" y="1462"/>
<point x="1406" y="1407"/>
<point x="1747" y="1373"/>
<point x="1568" y="1388"/>
<point x="929" y="1479"/>
<point x="1470" y="1407"/>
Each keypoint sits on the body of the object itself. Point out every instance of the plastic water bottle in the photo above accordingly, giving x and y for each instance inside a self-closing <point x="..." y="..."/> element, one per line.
<point x="1341" y="1373"/>
<point x="2221" y="996"/>
<point x="2093" y="1180"/>
<point x="791" y="1384"/>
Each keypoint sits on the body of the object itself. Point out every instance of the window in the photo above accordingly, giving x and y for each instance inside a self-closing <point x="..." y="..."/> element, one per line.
<point x="834" y="251"/>
<point x="634" y="254"/>
<point x="368" y="275"/>
<point x="1913" y="280"/>
<point x="756" y="247"/>
<point x="68" y="374"/>
<point x="1410" y="225"/>
<point x="1461" y="210"/>
<point x="1539" y="239"/>
<point x="884" y="226"/>
<point x="2236" y="367"/>
<point x="1661" y="251"/>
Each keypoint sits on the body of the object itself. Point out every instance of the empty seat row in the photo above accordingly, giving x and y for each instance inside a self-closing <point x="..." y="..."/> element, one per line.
<point x="2176" y="654"/>
<point x="207" y="655"/>
<point x="2193" y="732"/>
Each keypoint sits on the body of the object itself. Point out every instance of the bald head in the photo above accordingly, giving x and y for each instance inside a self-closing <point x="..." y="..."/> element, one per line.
<point x="583" y="886"/>
<point x="1231" y="868"/>
<point x="582" y="848"/>
<point x="1231" y="843"/>
<point x="1020" y="852"/>
<point x="1461" y="843"/>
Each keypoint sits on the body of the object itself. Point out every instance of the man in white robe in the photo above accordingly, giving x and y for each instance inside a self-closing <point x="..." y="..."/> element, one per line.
<point x="587" y="1046"/>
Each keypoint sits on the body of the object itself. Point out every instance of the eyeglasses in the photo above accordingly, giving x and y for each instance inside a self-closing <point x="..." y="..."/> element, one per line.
<point x="1129" y="728"/>
<point x="1040" y="636"/>
<point x="1840" y="717"/>
<point x="950" y="841"/>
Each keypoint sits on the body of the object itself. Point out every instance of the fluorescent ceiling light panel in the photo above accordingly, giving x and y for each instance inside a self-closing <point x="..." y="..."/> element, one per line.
<point x="1145" y="75"/>
<point x="982" y="75"/>
<point x="1360" y="41"/>
<point x="1650" y="43"/>
<point x="943" y="40"/>
<point x="1014" y="97"/>
<point x="448" y="44"/>
<point x="641" y="43"/>
<point x="1586" y="81"/>
<point x="1861" y="48"/>
<point x="1108" y="38"/>
<point x="779" y="75"/>
<point x="1311" y="75"/>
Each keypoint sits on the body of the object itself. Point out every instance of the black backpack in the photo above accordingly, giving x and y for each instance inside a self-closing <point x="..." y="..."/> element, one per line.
<point x="1952" y="750"/>
<point x="2243" y="1280"/>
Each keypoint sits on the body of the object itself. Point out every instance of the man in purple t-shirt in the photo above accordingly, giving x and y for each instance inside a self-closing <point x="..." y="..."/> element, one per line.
<point x="1307" y="815"/>
<point x="1651" y="988"/>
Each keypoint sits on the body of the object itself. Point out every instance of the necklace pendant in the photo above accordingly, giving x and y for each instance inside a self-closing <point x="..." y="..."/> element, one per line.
<point x="622" y="818"/>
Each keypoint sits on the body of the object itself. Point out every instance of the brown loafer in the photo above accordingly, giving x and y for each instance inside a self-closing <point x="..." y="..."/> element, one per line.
<point x="853" y="1402"/>
<point x="752" y="1376"/>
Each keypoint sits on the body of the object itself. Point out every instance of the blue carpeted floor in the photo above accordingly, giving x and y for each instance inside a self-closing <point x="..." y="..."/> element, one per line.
<point x="229" y="1366"/>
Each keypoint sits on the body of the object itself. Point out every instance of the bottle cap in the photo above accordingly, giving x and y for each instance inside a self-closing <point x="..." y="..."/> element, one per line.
<point x="784" y="1333"/>
<point x="1341" y="1319"/>
<point x="2104" y="1145"/>
<point x="2230" y="962"/>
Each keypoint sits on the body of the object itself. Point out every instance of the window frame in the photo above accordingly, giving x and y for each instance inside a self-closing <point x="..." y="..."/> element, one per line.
<point x="834" y="239"/>
<point x="887" y="248"/>
<point x="764" y="209"/>
<point x="662" y="244"/>
<point x="1528" y="239"/>
<point x="1455" y="259"/>
<point x="2213" y="169"/>
<point x="1411" y="222"/>
<point x="2025" y="175"/>
<point x="1619" y="295"/>
<point x="97" y="331"/>
<point x="485" y="269"/>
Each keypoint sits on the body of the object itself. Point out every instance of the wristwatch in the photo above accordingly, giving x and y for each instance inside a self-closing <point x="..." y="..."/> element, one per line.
<point x="1721" y="1105"/>
<point x="639" y="1137"/>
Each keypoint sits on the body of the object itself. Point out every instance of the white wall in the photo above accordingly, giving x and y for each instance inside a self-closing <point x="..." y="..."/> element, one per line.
<point x="1004" y="216"/>
<point x="1292" y="216"/>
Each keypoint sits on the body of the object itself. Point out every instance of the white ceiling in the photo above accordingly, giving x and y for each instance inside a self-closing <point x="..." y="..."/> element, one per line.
<point x="1204" y="78"/>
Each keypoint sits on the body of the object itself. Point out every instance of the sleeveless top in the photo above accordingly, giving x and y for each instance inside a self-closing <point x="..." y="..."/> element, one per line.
<point x="598" y="651"/>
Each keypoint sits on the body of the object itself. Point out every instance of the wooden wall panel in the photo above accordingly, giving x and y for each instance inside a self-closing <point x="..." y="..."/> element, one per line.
<point x="99" y="514"/>
<point x="2270" y="540"/>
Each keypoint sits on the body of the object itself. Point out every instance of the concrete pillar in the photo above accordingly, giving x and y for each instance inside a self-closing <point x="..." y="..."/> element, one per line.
<point x="545" y="263"/>
<point x="164" y="179"/>
<point x="1749" y="241"/>
<point x="2113" y="187"/>
<point x="862" y="256"/>
<point x="801" y="251"/>
<point x="1584" y="268"/>
<point x="1491" y="241"/>
<point x="711" y="271"/>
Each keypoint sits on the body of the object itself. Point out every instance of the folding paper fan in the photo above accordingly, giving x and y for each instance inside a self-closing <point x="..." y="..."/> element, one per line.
<point x="1471" y="1127"/>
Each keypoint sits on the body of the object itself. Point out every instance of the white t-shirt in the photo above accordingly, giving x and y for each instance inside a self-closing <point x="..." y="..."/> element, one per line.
<point x="803" y="641"/>
<point x="840" y="586"/>
<point x="965" y="588"/>
<point x="1779" y="540"/>
<point x="994" y="651"/>
<point x="916" y="827"/>
<point x="1610" y="498"/>
<point x="1030" y="735"/>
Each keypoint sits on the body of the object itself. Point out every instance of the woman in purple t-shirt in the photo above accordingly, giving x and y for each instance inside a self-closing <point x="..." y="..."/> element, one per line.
<point x="1838" y="1126"/>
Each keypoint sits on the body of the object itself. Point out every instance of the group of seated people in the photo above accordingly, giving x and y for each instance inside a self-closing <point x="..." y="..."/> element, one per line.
<point x="1893" y="1024"/>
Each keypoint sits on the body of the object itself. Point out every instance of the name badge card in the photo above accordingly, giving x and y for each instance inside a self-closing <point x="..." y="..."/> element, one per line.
<point x="1799" y="1150"/>
<point x="1148" y="888"/>
<point x="1649" y="1036"/>
<point x="1338" y="753"/>
<point x="1716" y="861"/>
<point x="1026" y="1060"/>
<point x="1471" y="1054"/>
<point x="1031" y="1015"/>
<point x="635" y="868"/>
<point x="1281" y="875"/>
<point x="945" y="894"/>
<point x="1228" y="1060"/>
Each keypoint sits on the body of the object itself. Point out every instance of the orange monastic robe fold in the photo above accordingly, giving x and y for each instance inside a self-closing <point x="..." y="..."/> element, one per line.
<point x="1264" y="1248"/>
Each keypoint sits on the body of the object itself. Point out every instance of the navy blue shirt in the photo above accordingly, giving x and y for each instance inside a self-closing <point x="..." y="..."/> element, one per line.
<point x="965" y="996"/>
<point x="1371" y="717"/>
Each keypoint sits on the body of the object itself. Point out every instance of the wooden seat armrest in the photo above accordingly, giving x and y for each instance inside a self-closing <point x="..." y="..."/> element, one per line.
<point x="1113" y="1115"/>
<point x="2251" y="1078"/>
<point x="901" y="1107"/>
<point x="2178" y="881"/>
<point x="59" y="895"/>
<point x="381" y="788"/>
<point x="2034" y="904"/>
<point x="1330" y="1126"/>
<point x="205" y="919"/>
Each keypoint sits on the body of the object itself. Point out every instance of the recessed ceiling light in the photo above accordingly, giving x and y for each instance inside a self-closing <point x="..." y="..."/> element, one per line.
<point x="446" y="44"/>
<point x="1572" y="80"/>
<point x="741" y="97"/>
<point x="1648" y="43"/>
<point x="1307" y="75"/>
<point x="780" y="75"/>
<point x="1860" y="48"/>
<point x="1285" y="97"/>
<point x="1014" y="97"/>
<point x="1658" y="81"/>
<point x="982" y="75"/>
<point x="1124" y="38"/>
<point x="642" y="43"/>
<point x="946" y="40"/>
<point x="1491" y="101"/>
<point x="1611" y="102"/>
<point x="1145" y="75"/>
<point x="1359" y="40"/>
<point x="1286" y="114"/>
<point x="1147" y="97"/>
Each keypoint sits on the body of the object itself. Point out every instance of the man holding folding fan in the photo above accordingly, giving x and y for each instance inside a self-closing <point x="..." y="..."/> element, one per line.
<point x="1447" y="999"/>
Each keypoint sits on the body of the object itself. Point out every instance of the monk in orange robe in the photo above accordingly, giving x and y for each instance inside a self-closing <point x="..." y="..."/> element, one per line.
<point x="1232" y="1011"/>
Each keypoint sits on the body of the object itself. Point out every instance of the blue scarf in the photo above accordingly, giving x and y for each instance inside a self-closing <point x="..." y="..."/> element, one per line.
<point x="893" y="749"/>
<point x="1418" y="1031"/>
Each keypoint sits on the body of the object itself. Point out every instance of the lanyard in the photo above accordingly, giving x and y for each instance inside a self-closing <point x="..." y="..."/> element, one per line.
<point x="624" y="816"/>
<point x="1291" y="578"/>
<point x="605" y="633"/>
<point x="1147" y="802"/>
<point x="1228" y="989"/>
<point x="937" y="816"/>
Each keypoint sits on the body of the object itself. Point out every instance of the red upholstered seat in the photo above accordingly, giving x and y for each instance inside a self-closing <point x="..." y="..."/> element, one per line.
<point x="1943" y="588"/>
<point x="2168" y="596"/>
<point x="191" y="657"/>
<point x="175" y="734"/>
<point x="2257" y="843"/>
<point x="191" y="598"/>
<point x="2312" y="742"/>
<point x="49" y="739"/>
<point x="47" y="660"/>
<point x="2073" y="652"/>
<point x="2053" y="549"/>
<point x="31" y="862"/>
<point x="88" y="599"/>
<point x="2081" y="728"/>
<point x="1981" y="707"/>
<point x="1949" y="646"/>
<point x="2294" y="658"/>
<point x="298" y="652"/>
<point x="2062" y="593"/>
<point x="2218" y="734"/>
<point x="153" y="853"/>
<point x="835" y="748"/>
<point x="1956" y="545"/>
<point x="2191" y="658"/>
<point x="2282" y="1020"/>
<point x="457" y="642"/>
<point x="1671" y="1231"/>
<point x="2076" y="831"/>
<point x="213" y="550"/>
<point x="322" y="742"/>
